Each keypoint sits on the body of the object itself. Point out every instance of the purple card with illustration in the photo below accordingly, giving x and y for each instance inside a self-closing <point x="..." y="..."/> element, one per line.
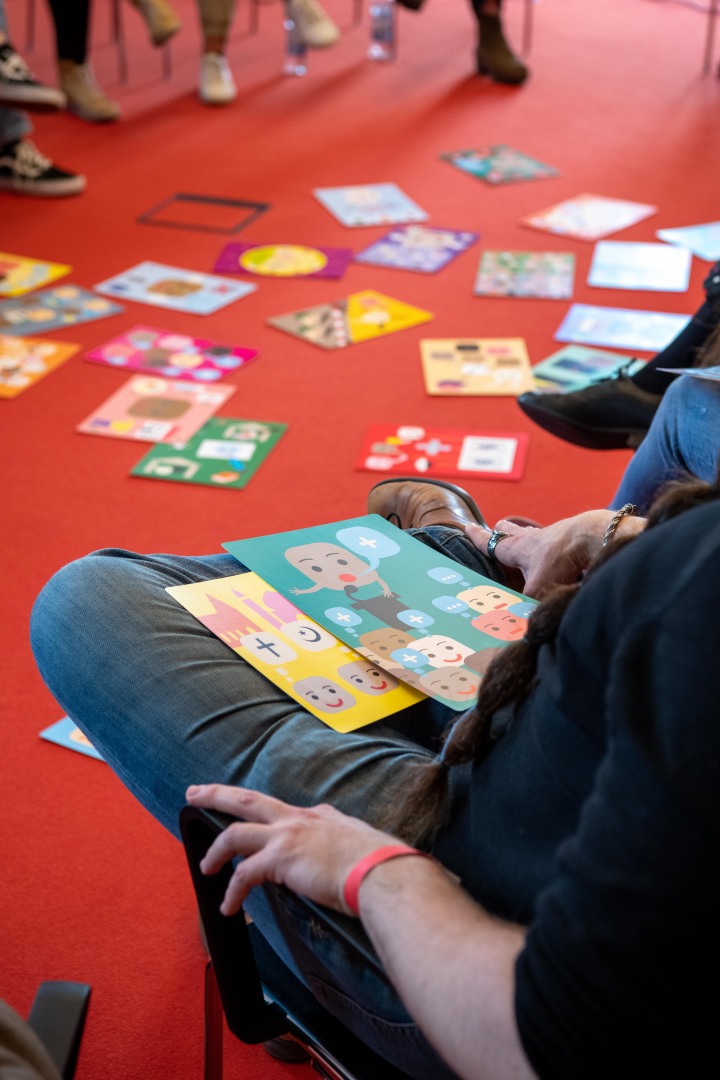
<point x="149" y="409"/>
<point x="589" y="217"/>
<point x="170" y="287"/>
<point x="546" y="275"/>
<point x="53" y="309"/>
<point x="499" y="164"/>
<point x="621" y="328"/>
<point x="283" y="260"/>
<point x="360" y="317"/>
<point x="369" y="204"/>
<point x="175" y="356"/>
<point x="339" y="686"/>
<point x="417" y="247"/>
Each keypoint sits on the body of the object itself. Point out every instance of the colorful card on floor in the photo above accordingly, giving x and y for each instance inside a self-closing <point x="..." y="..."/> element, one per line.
<point x="150" y="409"/>
<point x="419" y="451"/>
<point x="620" y="328"/>
<point x="710" y="373"/>
<point x="174" y="356"/>
<point x="417" y="247"/>
<point x="589" y="217"/>
<point x="369" y="204"/>
<point x="224" y="453"/>
<point x="283" y="260"/>
<point x="333" y="682"/>
<point x="617" y="264"/>
<point x="19" y="275"/>
<point x="701" y="240"/>
<point x="25" y="360"/>
<point x="475" y="366"/>
<point x="361" y="317"/>
<point x="546" y="275"/>
<point x="421" y="616"/>
<point x="499" y="164"/>
<point x="576" y="366"/>
<point x="66" y="733"/>
<point x="170" y="287"/>
<point x="53" y="309"/>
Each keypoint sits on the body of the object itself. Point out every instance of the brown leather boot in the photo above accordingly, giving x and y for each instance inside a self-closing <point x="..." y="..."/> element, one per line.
<point x="494" y="56"/>
<point x="414" y="504"/>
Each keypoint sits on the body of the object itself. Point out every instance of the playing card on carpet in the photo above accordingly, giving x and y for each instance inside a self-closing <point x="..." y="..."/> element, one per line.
<point x="176" y="356"/>
<point x="702" y="240"/>
<point x="623" y="328"/>
<point x="369" y="204"/>
<point x="19" y="275"/>
<point x="53" y="309"/>
<point x="417" y="247"/>
<point x="65" y="732"/>
<point x="618" y="264"/>
<point x="576" y="366"/>
<point x="360" y="317"/>
<point x="541" y="274"/>
<point x="150" y="409"/>
<point x="25" y="360"/>
<point x="283" y="260"/>
<point x="421" y="451"/>
<point x="589" y="217"/>
<point x="475" y="366"/>
<point x="170" y="287"/>
<point x="499" y="164"/>
<point x="225" y="452"/>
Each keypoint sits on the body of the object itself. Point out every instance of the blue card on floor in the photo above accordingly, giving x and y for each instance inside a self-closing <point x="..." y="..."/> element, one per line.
<point x="369" y="204"/>
<point x="621" y="328"/>
<point x="66" y="733"/>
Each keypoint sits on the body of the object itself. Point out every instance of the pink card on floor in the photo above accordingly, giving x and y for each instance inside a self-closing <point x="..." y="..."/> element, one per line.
<point x="174" y="356"/>
<point x="149" y="409"/>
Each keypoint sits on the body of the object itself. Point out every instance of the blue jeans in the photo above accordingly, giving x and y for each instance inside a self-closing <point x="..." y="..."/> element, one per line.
<point x="14" y="124"/>
<point x="683" y="438"/>
<point x="168" y="704"/>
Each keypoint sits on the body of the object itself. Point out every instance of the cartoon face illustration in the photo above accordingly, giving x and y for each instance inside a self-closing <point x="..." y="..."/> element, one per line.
<point x="323" y="694"/>
<point x="501" y="625"/>
<point x="457" y="684"/>
<point x="383" y="642"/>
<point x="483" y="598"/>
<point x="329" y="566"/>
<point x="174" y="287"/>
<point x="367" y="678"/>
<point x="442" y="652"/>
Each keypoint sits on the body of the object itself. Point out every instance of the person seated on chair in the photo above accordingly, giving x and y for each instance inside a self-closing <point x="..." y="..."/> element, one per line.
<point x="615" y="412"/>
<point x="577" y="802"/>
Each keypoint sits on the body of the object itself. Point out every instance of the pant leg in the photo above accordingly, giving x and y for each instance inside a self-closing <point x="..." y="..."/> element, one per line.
<point x="71" y="19"/>
<point x="14" y="123"/>
<point x="216" y="17"/>
<point x="683" y="438"/>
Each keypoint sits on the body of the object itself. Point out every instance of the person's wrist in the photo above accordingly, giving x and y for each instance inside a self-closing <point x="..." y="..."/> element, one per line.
<point x="362" y="870"/>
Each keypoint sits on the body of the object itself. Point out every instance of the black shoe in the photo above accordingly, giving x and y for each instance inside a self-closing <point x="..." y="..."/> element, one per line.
<point x="494" y="56"/>
<point x="611" y="414"/>
<point x="18" y="86"/>
<point x="24" y="170"/>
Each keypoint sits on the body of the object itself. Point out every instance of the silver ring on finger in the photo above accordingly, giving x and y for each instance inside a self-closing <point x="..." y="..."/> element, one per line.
<point x="495" y="538"/>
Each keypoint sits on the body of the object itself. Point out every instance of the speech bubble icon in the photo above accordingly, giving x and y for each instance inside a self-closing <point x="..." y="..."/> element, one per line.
<point x="343" y="616"/>
<point x="268" y="648"/>
<point x="451" y="605"/>
<point x="368" y="543"/>
<point x="444" y="574"/>
<point x="409" y="658"/>
<point x="308" y="635"/>
<point x="523" y="608"/>
<point x="417" y="619"/>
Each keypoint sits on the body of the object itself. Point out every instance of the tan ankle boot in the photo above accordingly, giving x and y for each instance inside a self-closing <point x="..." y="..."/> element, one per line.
<point x="162" y="20"/>
<point x="84" y="96"/>
<point x="494" y="56"/>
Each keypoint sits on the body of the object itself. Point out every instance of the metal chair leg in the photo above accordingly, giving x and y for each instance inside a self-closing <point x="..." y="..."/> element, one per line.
<point x="213" y="1063"/>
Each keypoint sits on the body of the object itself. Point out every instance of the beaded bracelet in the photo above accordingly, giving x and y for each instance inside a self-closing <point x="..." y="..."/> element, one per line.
<point x="360" y="871"/>
<point x="625" y="511"/>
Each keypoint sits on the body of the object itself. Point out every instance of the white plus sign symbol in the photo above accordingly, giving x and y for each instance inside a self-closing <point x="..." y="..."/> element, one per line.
<point x="416" y="619"/>
<point x="342" y="618"/>
<point x="367" y="541"/>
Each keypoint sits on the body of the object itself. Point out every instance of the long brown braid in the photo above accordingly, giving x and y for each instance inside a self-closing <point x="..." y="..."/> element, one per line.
<point x="508" y="681"/>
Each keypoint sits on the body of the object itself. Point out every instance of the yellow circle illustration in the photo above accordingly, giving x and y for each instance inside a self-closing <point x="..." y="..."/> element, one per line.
<point x="283" y="260"/>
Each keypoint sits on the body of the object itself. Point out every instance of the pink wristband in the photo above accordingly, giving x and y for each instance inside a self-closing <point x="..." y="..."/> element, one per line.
<point x="358" y="873"/>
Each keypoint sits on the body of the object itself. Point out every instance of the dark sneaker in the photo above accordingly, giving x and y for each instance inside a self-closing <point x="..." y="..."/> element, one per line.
<point x="18" y="86"/>
<point x="25" y="170"/>
<point x="611" y="414"/>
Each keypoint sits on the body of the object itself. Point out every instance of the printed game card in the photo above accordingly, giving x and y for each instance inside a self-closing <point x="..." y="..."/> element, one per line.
<point x="701" y="240"/>
<point x="589" y="217"/>
<point x="66" y="733"/>
<point x="420" y="451"/>
<point x="617" y="264"/>
<point x="150" y="409"/>
<point x="333" y="682"/>
<point x="224" y="453"/>
<point x="547" y="275"/>
<point x="175" y="356"/>
<point x="170" y="287"/>
<point x="24" y="361"/>
<point x="53" y="309"/>
<point x="475" y="366"/>
<point x="621" y="328"/>
<point x="576" y="366"/>
<point x="419" y="615"/>
<point x="369" y="204"/>
<point x="361" y="317"/>
<point x="283" y="260"/>
<point x="19" y="275"/>
<point x="417" y="247"/>
<point x="499" y="164"/>
<point x="710" y="373"/>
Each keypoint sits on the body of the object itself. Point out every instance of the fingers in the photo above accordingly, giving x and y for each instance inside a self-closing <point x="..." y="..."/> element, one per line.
<point x="240" y="802"/>
<point x="240" y="838"/>
<point x="503" y="552"/>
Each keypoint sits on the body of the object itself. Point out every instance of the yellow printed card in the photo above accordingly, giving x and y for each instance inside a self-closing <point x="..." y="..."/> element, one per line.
<point x="25" y="360"/>
<point x="19" y="275"/>
<point x="333" y="682"/>
<point x="476" y="366"/>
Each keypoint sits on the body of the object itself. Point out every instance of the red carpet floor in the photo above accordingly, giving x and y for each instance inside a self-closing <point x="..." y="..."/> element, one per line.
<point x="92" y="889"/>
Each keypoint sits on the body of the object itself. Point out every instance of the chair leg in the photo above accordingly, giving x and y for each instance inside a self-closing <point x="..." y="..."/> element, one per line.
<point x="527" y="27"/>
<point x="710" y="36"/>
<point x="118" y="37"/>
<point x="213" y="1063"/>
<point x="30" y="26"/>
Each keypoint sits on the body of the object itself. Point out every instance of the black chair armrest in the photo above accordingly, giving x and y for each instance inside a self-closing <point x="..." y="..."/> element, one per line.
<point x="58" y="1017"/>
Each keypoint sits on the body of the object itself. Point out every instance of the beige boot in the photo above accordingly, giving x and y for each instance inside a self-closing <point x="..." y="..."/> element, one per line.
<point x="494" y="56"/>
<point x="84" y="96"/>
<point x="162" y="21"/>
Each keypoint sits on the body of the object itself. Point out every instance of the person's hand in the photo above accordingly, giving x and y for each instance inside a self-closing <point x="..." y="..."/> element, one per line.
<point x="555" y="555"/>
<point x="311" y="850"/>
